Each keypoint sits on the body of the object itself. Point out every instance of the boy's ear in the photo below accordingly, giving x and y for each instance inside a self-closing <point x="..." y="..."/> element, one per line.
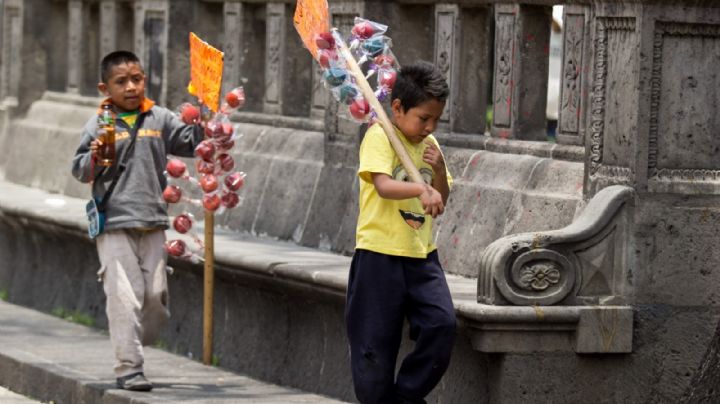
<point x="396" y="107"/>
<point x="102" y="87"/>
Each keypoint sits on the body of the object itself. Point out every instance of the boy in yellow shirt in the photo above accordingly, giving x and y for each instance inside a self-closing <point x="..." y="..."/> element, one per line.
<point x="395" y="271"/>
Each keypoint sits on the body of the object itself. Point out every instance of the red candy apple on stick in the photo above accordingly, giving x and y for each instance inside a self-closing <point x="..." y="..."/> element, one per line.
<point x="214" y="167"/>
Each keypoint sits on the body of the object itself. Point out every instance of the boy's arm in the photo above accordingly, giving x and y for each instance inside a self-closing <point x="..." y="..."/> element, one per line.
<point x="434" y="157"/>
<point x="389" y="188"/>
<point x="81" y="165"/>
<point x="181" y="139"/>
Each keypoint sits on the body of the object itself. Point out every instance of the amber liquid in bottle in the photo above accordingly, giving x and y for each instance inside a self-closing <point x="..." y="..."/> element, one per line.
<point x="106" y="136"/>
<point x="106" y="153"/>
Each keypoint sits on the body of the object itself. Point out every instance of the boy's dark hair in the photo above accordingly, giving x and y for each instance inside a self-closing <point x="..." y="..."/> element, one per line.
<point x="419" y="82"/>
<point x="113" y="59"/>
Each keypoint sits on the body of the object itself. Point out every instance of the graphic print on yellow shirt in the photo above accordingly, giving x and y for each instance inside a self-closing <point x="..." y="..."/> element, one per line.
<point x="413" y="219"/>
<point x="393" y="227"/>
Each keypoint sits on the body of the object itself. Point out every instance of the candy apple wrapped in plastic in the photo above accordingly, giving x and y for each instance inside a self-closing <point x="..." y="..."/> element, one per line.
<point x="176" y="168"/>
<point x="360" y="109"/>
<point x="172" y="194"/>
<point x="386" y="81"/>
<point x="234" y="99"/>
<point x="182" y="223"/>
<point x="189" y="114"/>
<point x="234" y="181"/>
<point x="224" y="163"/>
<point x="365" y="29"/>
<point x="179" y="249"/>
<point x="205" y="150"/>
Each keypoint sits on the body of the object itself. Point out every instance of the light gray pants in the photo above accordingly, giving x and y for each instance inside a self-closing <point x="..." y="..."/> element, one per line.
<point x="135" y="284"/>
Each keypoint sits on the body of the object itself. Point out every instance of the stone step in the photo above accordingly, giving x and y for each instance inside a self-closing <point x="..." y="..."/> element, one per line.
<point x="50" y="359"/>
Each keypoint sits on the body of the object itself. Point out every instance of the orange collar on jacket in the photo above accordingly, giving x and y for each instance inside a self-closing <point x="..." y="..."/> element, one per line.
<point x="145" y="105"/>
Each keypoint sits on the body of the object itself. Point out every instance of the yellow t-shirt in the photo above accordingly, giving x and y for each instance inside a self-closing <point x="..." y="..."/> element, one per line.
<point x="393" y="227"/>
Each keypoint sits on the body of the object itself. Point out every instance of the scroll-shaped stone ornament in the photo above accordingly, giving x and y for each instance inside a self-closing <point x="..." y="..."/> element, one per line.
<point x="538" y="276"/>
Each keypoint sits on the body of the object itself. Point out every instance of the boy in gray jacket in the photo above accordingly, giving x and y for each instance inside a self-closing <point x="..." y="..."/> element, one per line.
<point x="131" y="248"/>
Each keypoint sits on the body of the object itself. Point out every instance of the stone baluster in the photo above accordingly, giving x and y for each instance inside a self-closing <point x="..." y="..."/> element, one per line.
<point x="574" y="75"/>
<point x="288" y="66"/>
<point x="462" y="52"/>
<point x="75" y="46"/>
<point x="12" y="42"/>
<point x="234" y="23"/>
<point x="522" y="39"/>
<point x="108" y="26"/>
<point x="151" y="44"/>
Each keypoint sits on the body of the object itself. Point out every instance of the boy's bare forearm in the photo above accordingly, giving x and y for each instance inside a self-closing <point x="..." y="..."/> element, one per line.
<point x="441" y="185"/>
<point x="389" y="188"/>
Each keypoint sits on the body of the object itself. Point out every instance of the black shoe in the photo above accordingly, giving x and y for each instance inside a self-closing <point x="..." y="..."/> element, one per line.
<point x="134" y="382"/>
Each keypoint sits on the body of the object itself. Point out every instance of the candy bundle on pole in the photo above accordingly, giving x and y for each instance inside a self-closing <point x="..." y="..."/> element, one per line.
<point x="342" y="73"/>
<point x="217" y="177"/>
<point x="369" y="45"/>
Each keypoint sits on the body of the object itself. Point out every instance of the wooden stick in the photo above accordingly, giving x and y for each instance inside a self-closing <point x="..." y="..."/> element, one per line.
<point x="382" y="117"/>
<point x="209" y="281"/>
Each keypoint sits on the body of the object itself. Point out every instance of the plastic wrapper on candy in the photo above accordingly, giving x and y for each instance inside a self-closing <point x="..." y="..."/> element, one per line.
<point x="182" y="223"/>
<point x="365" y="29"/>
<point x="345" y="93"/>
<point x="172" y="194"/>
<point x="209" y="183"/>
<point x="189" y="114"/>
<point x="234" y="99"/>
<point x="335" y="77"/>
<point x="360" y="109"/>
<point x="224" y="163"/>
<point x="234" y="181"/>
<point x="205" y="150"/>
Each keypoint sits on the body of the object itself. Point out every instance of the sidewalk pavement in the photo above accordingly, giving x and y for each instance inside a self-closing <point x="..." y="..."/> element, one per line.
<point x="50" y="359"/>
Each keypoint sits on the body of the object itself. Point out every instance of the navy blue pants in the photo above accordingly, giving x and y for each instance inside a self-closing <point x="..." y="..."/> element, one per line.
<point x="383" y="290"/>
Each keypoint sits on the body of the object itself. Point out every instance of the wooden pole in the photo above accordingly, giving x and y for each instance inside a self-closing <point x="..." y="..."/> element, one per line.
<point x="370" y="97"/>
<point x="208" y="289"/>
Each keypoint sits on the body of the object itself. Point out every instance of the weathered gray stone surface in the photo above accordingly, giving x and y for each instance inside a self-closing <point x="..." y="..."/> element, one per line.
<point x="51" y="359"/>
<point x="8" y="397"/>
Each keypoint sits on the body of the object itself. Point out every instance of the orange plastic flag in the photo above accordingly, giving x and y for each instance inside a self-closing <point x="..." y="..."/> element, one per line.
<point x="311" y="17"/>
<point x="206" y="67"/>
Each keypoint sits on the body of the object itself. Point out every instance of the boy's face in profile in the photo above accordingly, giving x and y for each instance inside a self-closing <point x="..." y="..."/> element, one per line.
<point x="125" y="86"/>
<point x="419" y="121"/>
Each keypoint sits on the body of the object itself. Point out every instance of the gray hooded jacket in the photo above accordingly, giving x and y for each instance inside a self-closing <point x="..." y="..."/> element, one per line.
<point x="137" y="200"/>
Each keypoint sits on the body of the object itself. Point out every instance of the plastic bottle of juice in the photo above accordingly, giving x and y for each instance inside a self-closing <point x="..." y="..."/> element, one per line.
<point x="106" y="135"/>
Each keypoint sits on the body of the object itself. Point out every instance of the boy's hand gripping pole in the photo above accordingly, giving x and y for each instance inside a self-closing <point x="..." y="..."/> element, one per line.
<point x="382" y="117"/>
